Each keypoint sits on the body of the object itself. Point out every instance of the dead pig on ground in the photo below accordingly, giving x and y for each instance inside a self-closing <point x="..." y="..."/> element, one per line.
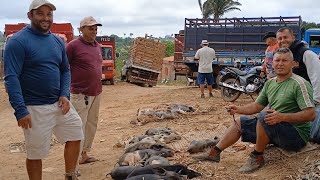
<point x="163" y="111"/>
<point x="140" y="156"/>
<point x="122" y="172"/>
<point x="200" y="146"/>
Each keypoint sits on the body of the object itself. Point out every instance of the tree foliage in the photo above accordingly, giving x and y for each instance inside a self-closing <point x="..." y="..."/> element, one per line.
<point x="169" y="47"/>
<point x="217" y="8"/>
<point x="309" y="25"/>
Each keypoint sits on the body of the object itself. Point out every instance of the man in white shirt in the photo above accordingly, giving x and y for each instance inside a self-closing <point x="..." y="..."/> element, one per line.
<point x="205" y="55"/>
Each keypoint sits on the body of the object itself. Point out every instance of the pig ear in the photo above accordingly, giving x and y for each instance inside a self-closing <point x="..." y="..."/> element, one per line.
<point x="159" y="171"/>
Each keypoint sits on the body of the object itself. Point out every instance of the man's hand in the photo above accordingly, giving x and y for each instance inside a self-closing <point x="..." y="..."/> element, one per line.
<point x="25" y="122"/>
<point x="274" y="117"/>
<point x="64" y="104"/>
<point x="232" y="109"/>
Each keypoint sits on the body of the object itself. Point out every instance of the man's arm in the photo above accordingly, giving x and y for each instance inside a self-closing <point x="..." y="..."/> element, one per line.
<point x="65" y="76"/>
<point x="312" y="63"/>
<point x="14" y="55"/>
<point x="248" y="109"/>
<point x="69" y="50"/>
<point x="197" y="56"/>
<point x="306" y="115"/>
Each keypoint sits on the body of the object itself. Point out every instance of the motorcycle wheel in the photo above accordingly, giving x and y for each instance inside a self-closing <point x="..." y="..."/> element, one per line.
<point x="228" y="94"/>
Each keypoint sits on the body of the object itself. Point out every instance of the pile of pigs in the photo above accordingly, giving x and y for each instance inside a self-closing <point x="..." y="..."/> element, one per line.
<point x="161" y="112"/>
<point x="146" y="155"/>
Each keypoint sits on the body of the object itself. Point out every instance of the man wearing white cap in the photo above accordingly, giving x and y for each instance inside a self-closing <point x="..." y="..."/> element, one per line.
<point x="85" y="58"/>
<point x="205" y="55"/>
<point x="37" y="78"/>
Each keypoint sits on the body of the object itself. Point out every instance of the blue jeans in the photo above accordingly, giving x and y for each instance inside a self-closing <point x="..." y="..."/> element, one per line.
<point x="283" y="135"/>
<point x="315" y="128"/>
<point x="205" y="76"/>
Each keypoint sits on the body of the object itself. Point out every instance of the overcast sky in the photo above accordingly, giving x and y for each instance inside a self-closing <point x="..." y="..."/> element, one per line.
<point x="155" y="17"/>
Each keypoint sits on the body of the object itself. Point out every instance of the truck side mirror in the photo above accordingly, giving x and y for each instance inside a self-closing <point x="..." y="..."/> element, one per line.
<point x="117" y="55"/>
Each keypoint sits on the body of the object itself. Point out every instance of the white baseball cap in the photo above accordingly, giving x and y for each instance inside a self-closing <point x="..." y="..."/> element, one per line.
<point x="89" y="21"/>
<point x="204" y="42"/>
<point x="38" y="3"/>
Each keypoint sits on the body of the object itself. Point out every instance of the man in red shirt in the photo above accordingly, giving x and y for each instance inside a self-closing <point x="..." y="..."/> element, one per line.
<point x="84" y="54"/>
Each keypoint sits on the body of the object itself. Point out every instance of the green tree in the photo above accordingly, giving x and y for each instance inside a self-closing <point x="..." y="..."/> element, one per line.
<point x="309" y="25"/>
<point x="217" y="8"/>
<point x="169" y="48"/>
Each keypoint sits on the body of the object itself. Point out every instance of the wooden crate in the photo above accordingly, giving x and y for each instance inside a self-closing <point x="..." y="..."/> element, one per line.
<point x="147" y="53"/>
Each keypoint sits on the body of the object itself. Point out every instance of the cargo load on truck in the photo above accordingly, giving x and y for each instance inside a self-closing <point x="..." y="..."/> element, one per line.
<point x="237" y="41"/>
<point x="145" y="61"/>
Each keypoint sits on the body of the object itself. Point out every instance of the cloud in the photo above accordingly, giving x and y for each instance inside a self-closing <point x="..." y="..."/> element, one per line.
<point x="158" y="18"/>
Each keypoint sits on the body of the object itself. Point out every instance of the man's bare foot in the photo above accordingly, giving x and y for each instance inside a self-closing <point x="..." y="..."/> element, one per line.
<point x="87" y="159"/>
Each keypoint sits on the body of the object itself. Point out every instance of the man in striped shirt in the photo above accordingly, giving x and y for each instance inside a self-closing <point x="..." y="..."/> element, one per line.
<point x="285" y="124"/>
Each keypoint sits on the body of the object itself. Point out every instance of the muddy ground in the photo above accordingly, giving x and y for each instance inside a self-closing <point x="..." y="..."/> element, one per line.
<point x="119" y="106"/>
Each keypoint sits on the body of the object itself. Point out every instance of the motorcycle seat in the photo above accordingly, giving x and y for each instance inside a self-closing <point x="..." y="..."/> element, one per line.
<point x="239" y="72"/>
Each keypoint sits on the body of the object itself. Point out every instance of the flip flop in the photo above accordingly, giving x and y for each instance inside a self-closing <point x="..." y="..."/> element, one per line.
<point x="89" y="160"/>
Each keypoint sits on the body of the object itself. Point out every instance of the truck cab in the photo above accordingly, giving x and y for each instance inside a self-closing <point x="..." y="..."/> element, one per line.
<point x="108" y="55"/>
<point x="312" y="37"/>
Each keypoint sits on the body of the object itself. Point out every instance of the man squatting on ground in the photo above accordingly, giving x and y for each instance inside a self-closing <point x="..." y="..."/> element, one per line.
<point x="37" y="79"/>
<point x="286" y="124"/>
<point x="85" y="58"/>
<point x="205" y="55"/>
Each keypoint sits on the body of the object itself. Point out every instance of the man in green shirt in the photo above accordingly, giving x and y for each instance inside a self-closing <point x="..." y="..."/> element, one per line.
<point x="285" y="124"/>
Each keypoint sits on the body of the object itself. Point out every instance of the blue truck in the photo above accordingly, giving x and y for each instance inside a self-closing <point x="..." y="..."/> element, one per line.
<point x="238" y="41"/>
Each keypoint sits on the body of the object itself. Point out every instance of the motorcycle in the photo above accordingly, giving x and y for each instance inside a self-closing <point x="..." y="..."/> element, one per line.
<point x="234" y="82"/>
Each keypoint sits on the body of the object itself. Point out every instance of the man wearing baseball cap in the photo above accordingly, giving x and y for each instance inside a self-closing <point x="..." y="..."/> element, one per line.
<point x="85" y="58"/>
<point x="37" y="78"/>
<point x="205" y="55"/>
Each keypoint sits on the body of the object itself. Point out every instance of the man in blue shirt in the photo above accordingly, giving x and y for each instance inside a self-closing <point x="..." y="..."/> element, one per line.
<point x="37" y="79"/>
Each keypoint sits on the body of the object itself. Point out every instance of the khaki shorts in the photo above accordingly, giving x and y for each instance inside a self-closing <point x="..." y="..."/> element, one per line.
<point x="48" y="119"/>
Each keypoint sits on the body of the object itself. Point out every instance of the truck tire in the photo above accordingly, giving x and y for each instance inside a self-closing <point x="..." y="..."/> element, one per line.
<point x="150" y="85"/>
<point x="127" y="77"/>
<point x="228" y="94"/>
<point x="112" y="81"/>
<point x="123" y="78"/>
<point x="104" y="82"/>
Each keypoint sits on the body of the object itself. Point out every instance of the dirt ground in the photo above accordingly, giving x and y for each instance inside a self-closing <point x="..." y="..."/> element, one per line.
<point x="119" y="106"/>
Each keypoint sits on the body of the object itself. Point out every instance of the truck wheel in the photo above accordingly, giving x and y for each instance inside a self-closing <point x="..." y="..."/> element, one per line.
<point x="150" y="85"/>
<point x="228" y="94"/>
<point x="112" y="81"/>
<point x="123" y="78"/>
<point x="196" y="82"/>
<point x="127" y="77"/>
<point x="104" y="82"/>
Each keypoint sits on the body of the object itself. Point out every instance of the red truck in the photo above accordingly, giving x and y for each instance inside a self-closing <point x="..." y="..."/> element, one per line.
<point x="63" y="30"/>
<point x="108" y="54"/>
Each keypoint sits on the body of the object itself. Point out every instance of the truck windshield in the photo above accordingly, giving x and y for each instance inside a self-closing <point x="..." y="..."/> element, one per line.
<point x="315" y="41"/>
<point x="107" y="53"/>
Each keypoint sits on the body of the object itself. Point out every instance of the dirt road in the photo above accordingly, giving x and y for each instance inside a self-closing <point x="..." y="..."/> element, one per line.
<point x="118" y="107"/>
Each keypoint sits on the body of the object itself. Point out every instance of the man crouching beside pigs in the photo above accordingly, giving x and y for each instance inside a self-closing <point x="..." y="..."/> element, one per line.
<point x="286" y="124"/>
